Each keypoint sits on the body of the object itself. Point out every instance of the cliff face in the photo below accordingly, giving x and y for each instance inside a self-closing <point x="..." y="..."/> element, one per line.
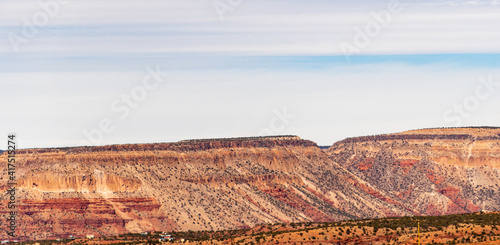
<point x="437" y="171"/>
<point x="467" y="147"/>
<point x="241" y="182"/>
<point x="189" y="185"/>
<point x="50" y="218"/>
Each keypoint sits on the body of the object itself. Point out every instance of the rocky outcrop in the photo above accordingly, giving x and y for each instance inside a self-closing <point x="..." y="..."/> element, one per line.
<point x="437" y="171"/>
<point x="62" y="217"/>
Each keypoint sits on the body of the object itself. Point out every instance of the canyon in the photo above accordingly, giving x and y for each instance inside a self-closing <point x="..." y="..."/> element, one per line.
<point x="219" y="184"/>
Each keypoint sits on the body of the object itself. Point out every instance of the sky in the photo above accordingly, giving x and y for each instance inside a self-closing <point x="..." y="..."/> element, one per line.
<point x="88" y="72"/>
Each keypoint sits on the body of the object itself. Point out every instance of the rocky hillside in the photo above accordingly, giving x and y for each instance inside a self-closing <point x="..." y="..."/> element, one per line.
<point x="436" y="171"/>
<point x="242" y="182"/>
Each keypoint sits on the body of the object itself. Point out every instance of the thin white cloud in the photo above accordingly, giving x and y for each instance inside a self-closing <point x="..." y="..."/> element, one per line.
<point x="254" y="28"/>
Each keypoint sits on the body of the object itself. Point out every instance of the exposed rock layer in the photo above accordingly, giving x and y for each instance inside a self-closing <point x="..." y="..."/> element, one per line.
<point x="437" y="171"/>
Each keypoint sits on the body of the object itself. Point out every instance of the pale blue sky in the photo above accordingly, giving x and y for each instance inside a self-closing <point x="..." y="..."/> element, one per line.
<point x="228" y="77"/>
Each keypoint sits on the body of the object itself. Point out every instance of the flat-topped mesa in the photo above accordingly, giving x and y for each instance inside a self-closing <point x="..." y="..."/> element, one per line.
<point x="277" y="137"/>
<point x="244" y="142"/>
<point x="186" y="145"/>
<point x="466" y="146"/>
<point x="484" y="131"/>
<point x="466" y="133"/>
